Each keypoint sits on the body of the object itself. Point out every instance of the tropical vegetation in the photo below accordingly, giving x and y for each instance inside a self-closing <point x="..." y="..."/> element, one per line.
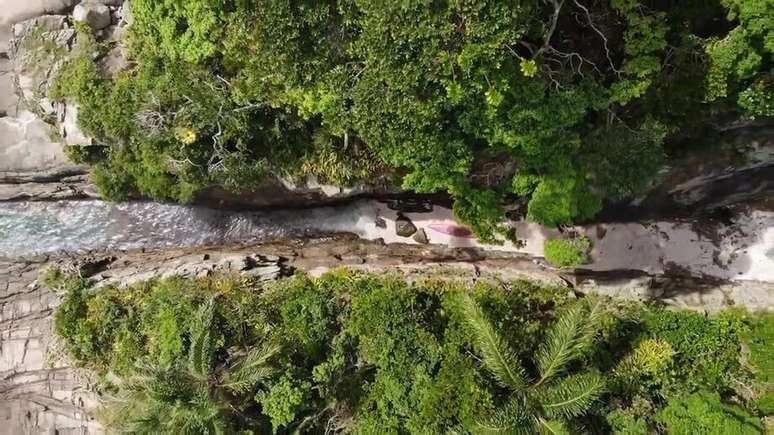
<point x="357" y="353"/>
<point x="567" y="252"/>
<point x="565" y="103"/>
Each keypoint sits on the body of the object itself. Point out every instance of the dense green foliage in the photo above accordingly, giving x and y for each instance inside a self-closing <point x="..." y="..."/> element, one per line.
<point x="704" y="413"/>
<point x="565" y="103"/>
<point x="350" y="352"/>
<point x="549" y="402"/>
<point x="569" y="252"/>
<point x="760" y="342"/>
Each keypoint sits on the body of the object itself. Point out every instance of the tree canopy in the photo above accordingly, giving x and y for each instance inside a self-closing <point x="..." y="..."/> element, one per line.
<point x="356" y="353"/>
<point x="565" y="102"/>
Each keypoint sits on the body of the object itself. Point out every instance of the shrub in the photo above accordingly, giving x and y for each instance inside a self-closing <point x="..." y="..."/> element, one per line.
<point x="283" y="401"/>
<point x="568" y="252"/>
<point x="706" y="348"/>
<point x="704" y="413"/>
<point x="228" y="92"/>
<point x="759" y="338"/>
<point x="624" y="423"/>
<point x="379" y="354"/>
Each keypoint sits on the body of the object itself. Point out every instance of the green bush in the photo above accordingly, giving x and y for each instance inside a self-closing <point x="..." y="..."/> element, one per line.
<point x="283" y="401"/>
<point x="568" y="252"/>
<point x="706" y="348"/>
<point x="625" y="423"/>
<point x="379" y="354"/>
<point x="225" y="93"/>
<point x="759" y="339"/>
<point x="704" y="413"/>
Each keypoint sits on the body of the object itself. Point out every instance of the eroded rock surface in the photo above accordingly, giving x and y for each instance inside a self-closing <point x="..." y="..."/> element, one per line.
<point x="33" y="165"/>
<point x="39" y="391"/>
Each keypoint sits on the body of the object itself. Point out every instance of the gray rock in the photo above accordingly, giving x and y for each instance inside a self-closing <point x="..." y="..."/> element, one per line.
<point x="115" y="61"/>
<point x="46" y="23"/>
<point x="68" y="125"/>
<point x="95" y="14"/>
<point x="26" y="148"/>
<point x="35" y="69"/>
<point x="14" y="11"/>
<point x="404" y="227"/>
<point x="421" y="237"/>
<point x="126" y="14"/>
<point x="8" y="99"/>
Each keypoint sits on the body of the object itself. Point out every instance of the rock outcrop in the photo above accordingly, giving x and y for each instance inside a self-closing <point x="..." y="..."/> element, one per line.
<point x="35" y="38"/>
<point x="39" y="391"/>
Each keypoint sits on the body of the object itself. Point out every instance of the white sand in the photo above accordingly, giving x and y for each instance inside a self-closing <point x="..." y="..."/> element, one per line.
<point x="743" y="251"/>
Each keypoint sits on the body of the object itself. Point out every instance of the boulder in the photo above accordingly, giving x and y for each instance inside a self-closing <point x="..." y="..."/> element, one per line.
<point x="404" y="227"/>
<point x="94" y="13"/>
<point x="14" y="11"/>
<point x="421" y="237"/>
<point x="26" y="149"/>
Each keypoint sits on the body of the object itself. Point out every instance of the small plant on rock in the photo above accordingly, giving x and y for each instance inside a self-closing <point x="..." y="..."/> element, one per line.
<point x="568" y="252"/>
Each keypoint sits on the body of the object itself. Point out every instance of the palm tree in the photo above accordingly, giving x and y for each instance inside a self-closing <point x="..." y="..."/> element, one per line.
<point x="193" y="397"/>
<point x="540" y="404"/>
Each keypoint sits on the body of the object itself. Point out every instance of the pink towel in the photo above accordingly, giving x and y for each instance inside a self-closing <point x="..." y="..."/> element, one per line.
<point x="452" y="230"/>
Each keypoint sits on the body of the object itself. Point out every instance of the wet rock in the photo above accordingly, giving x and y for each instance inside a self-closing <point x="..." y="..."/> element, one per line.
<point x="421" y="237"/>
<point x="380" y="222"/>
<point x="65" y="187"/>
<point x="276" y="191"/>
<point x="93" y="13"/>
<point x="404" y="227"/>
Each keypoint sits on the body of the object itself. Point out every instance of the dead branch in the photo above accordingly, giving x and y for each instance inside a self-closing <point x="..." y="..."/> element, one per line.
<point x="599" y="32"/>
<point x="552" y="28"/>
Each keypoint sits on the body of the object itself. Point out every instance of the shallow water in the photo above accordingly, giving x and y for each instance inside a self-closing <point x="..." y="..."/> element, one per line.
<point x="739" y="250"/>
<point x="30" y="228"/>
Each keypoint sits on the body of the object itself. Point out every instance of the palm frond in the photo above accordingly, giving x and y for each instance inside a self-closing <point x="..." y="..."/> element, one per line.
<point x="513" y="418"/>
<point x="498" y="357"/>
<point x="571" y="334"/>
<point x="201" y="350"/>
<point x="572" y="396"/>
<point x="200" y="416"/>
<point x="591" y="324"/>
<point x="560" y="345"/>
<point x="552" y="427"/>
<point x="252" y="368"/>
